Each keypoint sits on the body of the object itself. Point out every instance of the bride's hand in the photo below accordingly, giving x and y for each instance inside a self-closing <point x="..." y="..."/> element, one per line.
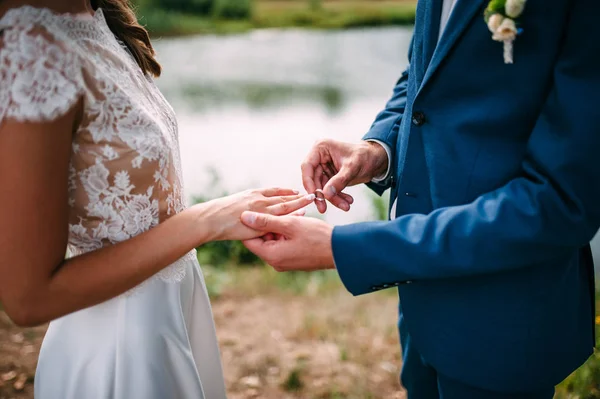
<point x="224" y="213"/>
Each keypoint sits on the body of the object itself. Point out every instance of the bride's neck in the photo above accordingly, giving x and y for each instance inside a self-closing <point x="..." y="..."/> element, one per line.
<point x="60" y="6"/>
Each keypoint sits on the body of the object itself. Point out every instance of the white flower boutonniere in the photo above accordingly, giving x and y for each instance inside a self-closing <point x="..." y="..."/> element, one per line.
<point x="502" y="18"/>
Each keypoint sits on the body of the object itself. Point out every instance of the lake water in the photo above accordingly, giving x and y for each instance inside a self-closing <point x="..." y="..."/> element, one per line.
<point x="250" y="106"/>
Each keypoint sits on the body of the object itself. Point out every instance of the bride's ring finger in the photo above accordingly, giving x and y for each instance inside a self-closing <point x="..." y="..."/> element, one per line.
<point x="269" y="201"/>
<point x="285" y="208"/>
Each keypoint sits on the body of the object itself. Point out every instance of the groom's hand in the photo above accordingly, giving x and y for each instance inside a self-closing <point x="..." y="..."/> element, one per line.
<point x="334" y="165"/>
<point x="302" y="243"/>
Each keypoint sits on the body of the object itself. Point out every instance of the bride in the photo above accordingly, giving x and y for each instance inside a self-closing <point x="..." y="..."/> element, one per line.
<point x="89" y="162"/>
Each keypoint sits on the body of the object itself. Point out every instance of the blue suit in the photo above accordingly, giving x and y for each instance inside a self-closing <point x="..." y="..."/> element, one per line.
<point x="496" y="172"/>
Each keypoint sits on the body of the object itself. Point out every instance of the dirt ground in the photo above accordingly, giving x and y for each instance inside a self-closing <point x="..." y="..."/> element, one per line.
<point x="274" y="346"/>
<point x="18" y="357"/>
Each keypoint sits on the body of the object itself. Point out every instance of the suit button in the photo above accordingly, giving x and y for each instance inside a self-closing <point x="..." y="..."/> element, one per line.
<point x="418" y="118"/>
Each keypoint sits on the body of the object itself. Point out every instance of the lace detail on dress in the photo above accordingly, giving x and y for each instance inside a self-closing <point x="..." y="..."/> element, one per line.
<point x="125" y="175"/>
<point x="39" y="79"/>
<point x="174" y="273"/>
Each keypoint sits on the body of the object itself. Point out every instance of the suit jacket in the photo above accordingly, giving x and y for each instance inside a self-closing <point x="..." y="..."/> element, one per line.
<point x="496" y="169"/>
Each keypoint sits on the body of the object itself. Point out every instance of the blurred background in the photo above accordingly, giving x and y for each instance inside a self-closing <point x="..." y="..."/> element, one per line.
<point x="254" y="84"/>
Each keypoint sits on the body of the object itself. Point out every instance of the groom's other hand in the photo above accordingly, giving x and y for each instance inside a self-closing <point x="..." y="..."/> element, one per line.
<point x="302" y="244"/>
<point x="334" y="165"/>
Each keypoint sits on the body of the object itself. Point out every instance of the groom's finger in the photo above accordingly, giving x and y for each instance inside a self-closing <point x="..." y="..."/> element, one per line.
<point x="338" y="183"/>
<point x="318" y="180"/>
<point x="255" y="245"/>
<point x="265" y="222"/>
<point x="347" y="197"/>
<point x="340" y="200"/>
<point x="268" y="237"/>
<point x="308" y="170"/>
<point x="330" y="172"/>
<point x="263" y="249"/>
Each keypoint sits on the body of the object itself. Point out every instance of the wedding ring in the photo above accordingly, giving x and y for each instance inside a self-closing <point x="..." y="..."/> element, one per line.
<point x="319" y="195"/>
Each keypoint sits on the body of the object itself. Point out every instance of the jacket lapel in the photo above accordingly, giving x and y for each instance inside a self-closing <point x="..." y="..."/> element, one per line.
<point x="422" y="27"/>
<point x="433" y="14"/>
<point x="464" y="11"/>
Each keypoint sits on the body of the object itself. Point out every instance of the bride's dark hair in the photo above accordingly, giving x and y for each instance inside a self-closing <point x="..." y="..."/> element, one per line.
<point x="123" y="23"/>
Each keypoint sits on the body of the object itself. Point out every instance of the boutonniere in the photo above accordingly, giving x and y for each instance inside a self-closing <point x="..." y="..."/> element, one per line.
<point x="502" y="18"/>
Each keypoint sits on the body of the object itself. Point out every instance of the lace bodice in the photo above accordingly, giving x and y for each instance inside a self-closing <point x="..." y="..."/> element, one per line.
<point x="125" y="173"/>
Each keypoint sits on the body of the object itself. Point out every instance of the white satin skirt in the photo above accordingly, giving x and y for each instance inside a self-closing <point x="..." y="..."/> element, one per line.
<point x="159" y="342"/>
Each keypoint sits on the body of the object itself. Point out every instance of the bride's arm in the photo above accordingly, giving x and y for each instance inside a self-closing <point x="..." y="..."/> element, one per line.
<point x="36" y="283"/>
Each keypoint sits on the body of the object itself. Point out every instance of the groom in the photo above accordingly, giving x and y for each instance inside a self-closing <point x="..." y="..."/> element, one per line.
<point x="494" y="170"/>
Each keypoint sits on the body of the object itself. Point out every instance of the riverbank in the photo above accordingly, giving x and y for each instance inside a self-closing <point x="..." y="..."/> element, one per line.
<point x="332" y="14"/>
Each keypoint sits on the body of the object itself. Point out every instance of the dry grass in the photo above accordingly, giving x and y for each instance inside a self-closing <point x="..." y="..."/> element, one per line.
<point x="280" y="347"/>
<point x="303" y="336"/>
<point x="281" y="336"/>
<point x="18" y="356"/>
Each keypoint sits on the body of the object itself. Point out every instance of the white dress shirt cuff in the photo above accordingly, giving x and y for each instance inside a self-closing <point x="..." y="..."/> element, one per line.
<point x="388" y="151"/>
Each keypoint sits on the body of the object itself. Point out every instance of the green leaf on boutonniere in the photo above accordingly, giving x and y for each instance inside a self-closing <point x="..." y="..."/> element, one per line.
<point x="495" y="7"/>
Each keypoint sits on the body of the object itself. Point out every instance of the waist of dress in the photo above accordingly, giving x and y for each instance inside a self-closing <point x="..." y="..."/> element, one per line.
<point x="73" y="251"/>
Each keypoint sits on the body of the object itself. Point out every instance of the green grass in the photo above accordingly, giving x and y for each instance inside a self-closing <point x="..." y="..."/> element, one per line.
<point x="332" y="14"/>
<point x="294" y="382"/>
<point x="261" y="280"/>
<point x="169" y="23"/>
<point x="585" y="382"/>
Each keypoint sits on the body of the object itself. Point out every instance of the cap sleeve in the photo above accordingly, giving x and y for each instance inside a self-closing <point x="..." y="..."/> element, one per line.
<point x="41" y="78"/>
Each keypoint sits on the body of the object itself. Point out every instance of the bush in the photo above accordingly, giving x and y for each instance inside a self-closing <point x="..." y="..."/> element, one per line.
<point x="223" y="253"/>
<point x="199" y="7"/>
<point x="585" y="382"/>
<point x="232" y="9"/>
<point x="315" y="5"/>
<point x="380" y="206"/>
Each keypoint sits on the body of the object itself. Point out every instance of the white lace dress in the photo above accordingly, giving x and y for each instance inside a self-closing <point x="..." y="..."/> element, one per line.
<point x="157" y="341"/>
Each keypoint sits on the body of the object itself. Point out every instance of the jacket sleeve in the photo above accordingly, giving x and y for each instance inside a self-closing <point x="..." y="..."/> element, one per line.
<point x="387" y="125"/>
<point x="547" y="213"/>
